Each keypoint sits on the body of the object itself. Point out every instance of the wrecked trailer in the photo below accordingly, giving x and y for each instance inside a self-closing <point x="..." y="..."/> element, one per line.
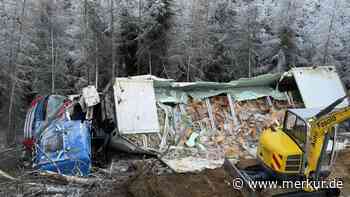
<point x="197" y="124"/>
<point x="191" y="126"/>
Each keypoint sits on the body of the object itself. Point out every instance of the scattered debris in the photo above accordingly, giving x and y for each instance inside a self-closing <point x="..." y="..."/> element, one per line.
<point x="184" y="159"/>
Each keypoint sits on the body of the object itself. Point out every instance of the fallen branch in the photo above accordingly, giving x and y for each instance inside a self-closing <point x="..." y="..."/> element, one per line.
<point x="69" y="179"/>
<point x="7" y="176"/>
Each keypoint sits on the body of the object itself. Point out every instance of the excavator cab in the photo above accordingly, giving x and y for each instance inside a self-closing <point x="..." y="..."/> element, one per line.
<point x="280" y="149"/>
<point x="283" y="150"/>
<point x="296" y="128"/>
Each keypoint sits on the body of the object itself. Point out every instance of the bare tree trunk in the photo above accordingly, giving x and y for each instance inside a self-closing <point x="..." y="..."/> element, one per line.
<point x="96" y="61"/>
<point x="9" y="136"/>
<point x="140" y="10"/>
<point x="249" y="44"/>
<point x="150" y="62"/>
<point x="12" y="51"/>
<point x="10" y="133"/>
<point x="199" y="32"/>
<point x="112" y="40"/>
<point x="331" y="23"/>
<point x="52" y="61"/>
<point x="251" y="31"/>
<point x="85" y="41"/>
<point x="249" y="63"/>
<point x="188" y="68"/>
<point x="139" y="32"/>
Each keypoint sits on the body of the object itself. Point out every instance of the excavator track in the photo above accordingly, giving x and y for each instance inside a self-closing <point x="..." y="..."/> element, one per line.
<point x="235" y="172"/>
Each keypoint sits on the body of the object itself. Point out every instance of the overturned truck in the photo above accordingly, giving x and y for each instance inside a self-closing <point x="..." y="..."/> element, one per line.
<point x="190" y="126"/>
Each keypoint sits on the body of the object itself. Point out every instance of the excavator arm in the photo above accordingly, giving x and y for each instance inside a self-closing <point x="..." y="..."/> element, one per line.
<point x="320" y="127"/>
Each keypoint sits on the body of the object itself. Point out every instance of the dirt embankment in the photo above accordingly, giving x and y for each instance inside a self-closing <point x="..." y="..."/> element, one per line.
<point x="342" y="171"/>
<point x="209" y="183"/>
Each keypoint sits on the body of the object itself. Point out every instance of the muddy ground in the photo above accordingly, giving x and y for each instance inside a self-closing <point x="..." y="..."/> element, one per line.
<point x="209" y="183"/>
<point x="342" y="171"/>
<point x="215" y="183"/>
<point x="136" y="177"/>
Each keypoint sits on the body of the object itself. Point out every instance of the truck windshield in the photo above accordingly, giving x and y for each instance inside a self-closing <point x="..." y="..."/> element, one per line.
<point x="296" y="128"/>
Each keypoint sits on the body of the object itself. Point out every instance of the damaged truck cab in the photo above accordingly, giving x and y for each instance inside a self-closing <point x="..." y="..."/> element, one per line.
<point x="58" y="136"/>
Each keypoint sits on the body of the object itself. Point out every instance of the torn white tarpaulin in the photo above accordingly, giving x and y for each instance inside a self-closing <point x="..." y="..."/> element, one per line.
<point x="192" y="164"/>
<point x="182" y="160"/>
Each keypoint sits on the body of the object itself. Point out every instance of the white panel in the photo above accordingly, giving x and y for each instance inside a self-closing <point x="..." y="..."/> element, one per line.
<point x="135" y="106"/>
<point x="91" y="96"/>
<point x="319" y="86"/>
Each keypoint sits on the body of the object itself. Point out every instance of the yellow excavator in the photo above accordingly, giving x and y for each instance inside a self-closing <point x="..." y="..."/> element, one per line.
<point x="303" y="148"/>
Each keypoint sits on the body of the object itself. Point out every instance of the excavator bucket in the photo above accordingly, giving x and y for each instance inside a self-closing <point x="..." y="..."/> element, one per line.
<point x="238" y="175"/>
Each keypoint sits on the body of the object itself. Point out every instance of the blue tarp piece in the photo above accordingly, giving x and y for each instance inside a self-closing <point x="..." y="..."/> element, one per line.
<point x="65" y="148"/>
<point x="40" y="110"/>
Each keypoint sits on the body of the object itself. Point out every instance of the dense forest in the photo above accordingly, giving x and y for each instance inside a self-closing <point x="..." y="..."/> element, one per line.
<point x="59" y="46"/>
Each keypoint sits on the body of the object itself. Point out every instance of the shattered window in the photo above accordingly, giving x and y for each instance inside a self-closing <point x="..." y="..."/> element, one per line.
<point x="53" y="143"/>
